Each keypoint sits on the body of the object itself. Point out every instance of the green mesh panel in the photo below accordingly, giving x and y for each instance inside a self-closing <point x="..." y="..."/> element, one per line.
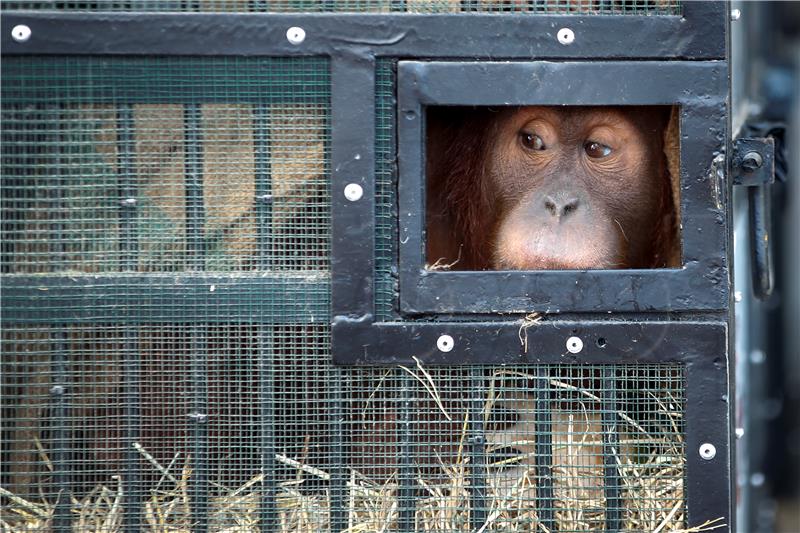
<point x="385" y="190"/>
<point x="227" y="162"/>
<point x="62" y="166"/>
<point x="593" y="7"/>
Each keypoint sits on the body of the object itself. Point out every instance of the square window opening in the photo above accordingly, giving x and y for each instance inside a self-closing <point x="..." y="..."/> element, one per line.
<point x="552" y="187"/>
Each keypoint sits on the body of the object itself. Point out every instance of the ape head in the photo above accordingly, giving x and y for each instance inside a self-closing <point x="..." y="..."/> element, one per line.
<point x="538" y="188"/>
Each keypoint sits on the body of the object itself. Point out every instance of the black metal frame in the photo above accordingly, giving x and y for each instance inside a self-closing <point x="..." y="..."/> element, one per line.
<point x="696" y="338"/>
<point x="699" y="88"/>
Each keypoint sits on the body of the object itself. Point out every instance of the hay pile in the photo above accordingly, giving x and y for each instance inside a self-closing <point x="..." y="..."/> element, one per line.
<point x="650" y="468"/>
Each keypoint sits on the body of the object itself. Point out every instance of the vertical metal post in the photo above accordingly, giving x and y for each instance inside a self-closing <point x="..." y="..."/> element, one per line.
<point x="477" y="477"/>
<point x="338" y="513"/>
<point x="131" y="362"/>
<point x="405" y="493"/>
<point x="611" y="477"/>
<point x="545" y="504"/>
<point x="266" y="363"/>
<point x="60" y="455"/>
<point x="195" y="251"/>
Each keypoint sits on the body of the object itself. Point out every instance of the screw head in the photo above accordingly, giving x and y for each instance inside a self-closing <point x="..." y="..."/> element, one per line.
<point x="574" y="345"/>
<point x="736" y="14"/>
<point x="565" y="36"/>
<point x="752" y="161"/>
<point x="353" y="192"/>
<point x="445" y="343"/>
<point x="21" y="33"/>
<point x="296" y="35"/>
<point x="128" y="202"/>
<point x="708" y="451"/>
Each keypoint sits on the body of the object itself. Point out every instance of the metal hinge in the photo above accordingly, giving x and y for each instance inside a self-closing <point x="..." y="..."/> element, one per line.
<point x="753" y="161"/>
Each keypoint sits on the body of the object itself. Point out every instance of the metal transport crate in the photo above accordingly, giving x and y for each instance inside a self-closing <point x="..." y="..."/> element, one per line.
<point x="202" y="332"/>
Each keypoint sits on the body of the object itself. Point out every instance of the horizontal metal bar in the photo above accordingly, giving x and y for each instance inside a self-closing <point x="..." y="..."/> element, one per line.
<point x="287" y="299"/>
<point x="388" y="343"/>
<point x="697" y="35"/>
<point x="697" y="286"/>
<point x="499" y="83"/>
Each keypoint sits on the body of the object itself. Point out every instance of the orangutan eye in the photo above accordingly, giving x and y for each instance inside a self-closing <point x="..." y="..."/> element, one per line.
<point x="596" y="150"/>
<point x="531" y="141"/>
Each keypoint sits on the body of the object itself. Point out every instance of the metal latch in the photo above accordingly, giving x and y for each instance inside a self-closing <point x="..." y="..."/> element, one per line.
<point x="753" y="166"/>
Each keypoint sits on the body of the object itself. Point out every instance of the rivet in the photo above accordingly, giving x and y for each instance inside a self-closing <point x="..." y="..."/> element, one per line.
<point x="445" y="343"/>
<point x="21" y="33"/>
<point x="296" y="35"/>
<point x="752" y="161"/>
<point x="739" y="433"/>
<point x="566" y="36"/>
<point x="757" y="479"/>
<point x="736" y="14"/>
<point x="57" y="390"/>
<point x="353" y="192"/>
<point x="574" y="345"/>
<point x="708" y="451"/>
<point x="200" y="418"/>
<point x="128" y="202"/>
<point x="737" y="296"/>
<point x="265" y="198"/>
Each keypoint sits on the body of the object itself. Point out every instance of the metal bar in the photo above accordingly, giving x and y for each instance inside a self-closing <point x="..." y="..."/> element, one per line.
<point x="185" y="297"/>
<point x="707" y="414"/>
<point x="131" y="363"/>
<point x="266" y="397"/>
<point x="406" y="506"/>
<point x="698" y="36"/>
<point x="545" y="502"/>
<point x="195" y="213"/>
<point x="195" y="251"/>
<point x="353" y="165"/>
<point x="632" y="340"/>
<point x="759" y="206"/>
<point x="339" y="463"/>
<point x="477" y="474"/>
<point x="612" y="481"/>
<point x="266" y="392"/>
<point x="61" y="449"/>
<point x="263" y="190"/>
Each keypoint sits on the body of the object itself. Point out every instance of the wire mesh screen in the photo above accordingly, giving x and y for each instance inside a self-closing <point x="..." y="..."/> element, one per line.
<point x="140" y="178"/>
<point x="594" y="7"/>
<point x="90" y="146"/>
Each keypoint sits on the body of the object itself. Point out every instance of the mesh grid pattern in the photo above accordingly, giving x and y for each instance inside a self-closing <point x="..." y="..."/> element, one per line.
<point x="85" y="141"/>
<point x="188" y="416"/>
<point x="594" y="7"/>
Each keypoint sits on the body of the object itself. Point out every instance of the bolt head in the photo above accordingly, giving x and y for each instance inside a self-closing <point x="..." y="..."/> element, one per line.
<point x="574" y="345"/>
<point x="445" y="343"/>
<point x="752" y="161"/>
<point x="353" y="192"/>
<point x="708" y="451"/>
<point x="21" y="33"/>
<point x="565" y="36"/>
<point x="736" y="14"/>
<point x="296" y="35"/>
